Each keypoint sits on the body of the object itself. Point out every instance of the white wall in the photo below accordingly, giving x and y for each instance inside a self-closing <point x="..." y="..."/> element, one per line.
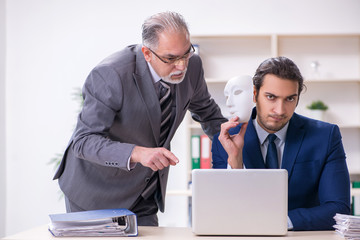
<point x="2" y="119"/>
<point x="53" y="44"/>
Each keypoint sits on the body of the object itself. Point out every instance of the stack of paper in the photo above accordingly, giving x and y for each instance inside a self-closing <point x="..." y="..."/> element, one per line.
<point x="107" y="222"/>
<point x="348" y="226"/>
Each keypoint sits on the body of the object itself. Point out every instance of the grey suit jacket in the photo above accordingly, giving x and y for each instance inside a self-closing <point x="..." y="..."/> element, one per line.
<point x="121" y="109"/>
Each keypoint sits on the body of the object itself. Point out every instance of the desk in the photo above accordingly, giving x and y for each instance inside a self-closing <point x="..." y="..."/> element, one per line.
<point x="42" y="233"/>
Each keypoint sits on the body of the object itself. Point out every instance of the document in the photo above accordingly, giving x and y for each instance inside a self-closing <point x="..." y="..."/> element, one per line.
<point x="106" y="222"/>
<point x="348" y="226"/>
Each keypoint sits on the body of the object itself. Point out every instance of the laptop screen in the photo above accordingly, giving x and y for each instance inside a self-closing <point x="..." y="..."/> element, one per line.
<point x="239" y="201"/>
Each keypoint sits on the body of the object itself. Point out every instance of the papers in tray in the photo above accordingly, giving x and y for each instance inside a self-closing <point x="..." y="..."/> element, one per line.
<point x="106" y="222"/>
<point x="348" y="226"/>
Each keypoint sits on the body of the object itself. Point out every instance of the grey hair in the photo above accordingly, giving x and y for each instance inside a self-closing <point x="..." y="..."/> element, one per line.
<point x="160" y="22"/>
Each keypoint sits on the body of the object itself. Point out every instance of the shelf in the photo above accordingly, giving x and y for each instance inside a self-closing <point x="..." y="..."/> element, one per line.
<point x="332" y="81"/>
<point x="337" y="56"/>
<point x="179" y="193"/>
<point x="354" y="176"/>
<point x="195" y="125"/>
<point x="188" y="193"/>
<point x="335" y="80"/>
<point x="355" y="191"/>
<point x="216" y="80"/>
<point x="198" y="126"/>
<point x="349" y="125"/>
<point x="227" y="56"/>
<point x="206" y="38"/>
<point x="306" y="35"/>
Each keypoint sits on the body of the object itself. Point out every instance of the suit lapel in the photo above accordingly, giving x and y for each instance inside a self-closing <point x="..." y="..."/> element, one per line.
<point x="144" y="83"/>
<point x="294" y="138"/>
<point x="252" y="152"/>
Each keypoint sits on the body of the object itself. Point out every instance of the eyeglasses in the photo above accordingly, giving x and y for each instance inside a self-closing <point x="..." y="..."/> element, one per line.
<point x="172" y="60"/>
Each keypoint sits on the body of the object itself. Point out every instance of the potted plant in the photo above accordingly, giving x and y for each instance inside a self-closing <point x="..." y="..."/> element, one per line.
<point x="317" y="109"/>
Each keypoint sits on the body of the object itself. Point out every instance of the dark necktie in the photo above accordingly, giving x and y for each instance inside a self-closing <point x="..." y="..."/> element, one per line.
<point x="271" y="155"/>
<point x="165" y="105"/>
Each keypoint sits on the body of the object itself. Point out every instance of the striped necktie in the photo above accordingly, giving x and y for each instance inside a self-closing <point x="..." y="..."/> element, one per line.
<point x="271" y="155"/>
<point x="165" y="105"/>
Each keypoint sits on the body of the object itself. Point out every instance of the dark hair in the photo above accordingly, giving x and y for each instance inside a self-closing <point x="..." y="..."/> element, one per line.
<point x="281" y="67"/>
<point x="156" y="24"/>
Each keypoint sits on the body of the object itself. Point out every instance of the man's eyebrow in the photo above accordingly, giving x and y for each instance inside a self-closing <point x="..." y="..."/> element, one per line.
<point x="268" y="93"/>
<point x="293" y="95"/>
<point x="175" y="56"/>
<point x="171" y="56"/>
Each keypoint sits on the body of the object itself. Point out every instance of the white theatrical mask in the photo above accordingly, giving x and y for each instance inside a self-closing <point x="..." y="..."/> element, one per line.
<point x="239" y="97"/>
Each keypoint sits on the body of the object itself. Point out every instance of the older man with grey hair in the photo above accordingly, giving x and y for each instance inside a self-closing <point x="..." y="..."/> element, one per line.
<point x="134" y="100"/>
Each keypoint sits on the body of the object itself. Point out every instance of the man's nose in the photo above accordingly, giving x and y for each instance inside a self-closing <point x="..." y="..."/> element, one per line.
<point x="280" y="108"/>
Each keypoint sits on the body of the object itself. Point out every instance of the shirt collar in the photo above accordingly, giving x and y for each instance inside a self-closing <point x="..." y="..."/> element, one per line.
<point x="154" y="75"/>
<point x="262" y="134"/>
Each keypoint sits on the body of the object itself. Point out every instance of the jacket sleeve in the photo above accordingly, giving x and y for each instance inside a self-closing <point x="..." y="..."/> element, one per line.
<point x="202" y="106"/>
<point x="103" y="95"/>
<point x="219" y="155"/>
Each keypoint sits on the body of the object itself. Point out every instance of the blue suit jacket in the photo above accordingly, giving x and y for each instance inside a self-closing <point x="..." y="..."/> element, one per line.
<point x="319" y="185"/>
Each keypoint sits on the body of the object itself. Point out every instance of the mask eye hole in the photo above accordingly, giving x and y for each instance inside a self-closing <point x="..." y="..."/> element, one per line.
<point x="237" y="92"/>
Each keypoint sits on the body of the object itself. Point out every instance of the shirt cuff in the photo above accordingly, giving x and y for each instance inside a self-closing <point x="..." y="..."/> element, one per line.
<point x="130" y="165"/>
<point x="229" y="167"/>
<point x="290" y="225"/>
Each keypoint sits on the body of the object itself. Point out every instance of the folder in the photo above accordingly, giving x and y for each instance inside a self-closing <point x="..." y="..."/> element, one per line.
<point x="195" y="151"/>
<point x="205" y="148"/>
<point x="356" y="200"/>
<point x="105" y="222"/>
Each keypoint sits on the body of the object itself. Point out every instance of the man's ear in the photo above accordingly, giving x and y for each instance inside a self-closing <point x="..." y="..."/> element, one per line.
<point x="254" y="95"/>
<point x="147" y="53"/>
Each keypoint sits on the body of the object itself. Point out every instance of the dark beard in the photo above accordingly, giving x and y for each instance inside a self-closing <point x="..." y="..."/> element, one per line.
<point x="269" y="128"/>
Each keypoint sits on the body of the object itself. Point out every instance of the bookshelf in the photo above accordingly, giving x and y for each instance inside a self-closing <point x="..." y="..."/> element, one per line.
<point x="330" y="64"/>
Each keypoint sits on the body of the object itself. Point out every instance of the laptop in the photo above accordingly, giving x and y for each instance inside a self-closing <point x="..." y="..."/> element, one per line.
<point x="239" y="201"/>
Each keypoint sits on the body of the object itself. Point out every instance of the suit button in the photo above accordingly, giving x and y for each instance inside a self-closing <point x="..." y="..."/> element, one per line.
<point x="106" y="163"/>
<point x="147" y="180"/>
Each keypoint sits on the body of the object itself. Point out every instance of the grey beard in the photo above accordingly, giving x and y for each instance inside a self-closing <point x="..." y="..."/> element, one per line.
<point x="169" y="80"/>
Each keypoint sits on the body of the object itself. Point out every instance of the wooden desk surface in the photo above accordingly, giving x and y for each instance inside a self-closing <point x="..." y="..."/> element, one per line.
<point x="42" y="232"/>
